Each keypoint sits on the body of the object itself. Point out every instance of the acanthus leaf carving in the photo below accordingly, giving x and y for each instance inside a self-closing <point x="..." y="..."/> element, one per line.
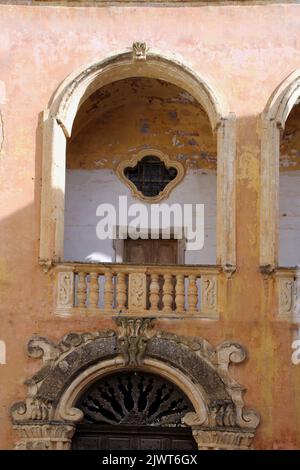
<point x="132" y="338"/>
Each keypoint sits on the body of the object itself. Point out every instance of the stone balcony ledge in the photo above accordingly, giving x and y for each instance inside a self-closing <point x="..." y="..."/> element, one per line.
<point x="137" y="290"/>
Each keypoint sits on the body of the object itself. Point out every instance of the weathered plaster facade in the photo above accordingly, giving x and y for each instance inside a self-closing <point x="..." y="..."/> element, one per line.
<point x="42" y="45"/>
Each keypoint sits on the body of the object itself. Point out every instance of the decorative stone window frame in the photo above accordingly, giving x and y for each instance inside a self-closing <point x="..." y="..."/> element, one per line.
<point x="168" y="163"/>
<point x="57" y="127"/>
<point x="47" y="419"/>
<point x="273" y="122"/>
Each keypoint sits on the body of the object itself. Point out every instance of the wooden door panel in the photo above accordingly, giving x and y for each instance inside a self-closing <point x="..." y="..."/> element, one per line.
<point x="131" y="438"/>
<point x="137" y="251"/>
<point x="165" y="251"/>
<point x="151" y="251"/>
<point x="182" y="444"/>
<point x="151" y="443"/>
<point x="119" y="443"/>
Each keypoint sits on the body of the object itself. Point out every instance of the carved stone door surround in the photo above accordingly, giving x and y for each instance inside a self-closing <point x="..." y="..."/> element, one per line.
<point x="47" y="418"/>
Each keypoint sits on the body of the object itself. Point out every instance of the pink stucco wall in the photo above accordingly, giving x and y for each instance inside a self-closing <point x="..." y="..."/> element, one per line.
<point x="246" y="51"/>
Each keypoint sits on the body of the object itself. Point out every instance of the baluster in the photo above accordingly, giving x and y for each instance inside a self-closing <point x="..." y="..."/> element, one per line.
<point x="154" y="292"/>
<point x="179" y="290"/>
<point x="81" y="289"/>
<point x="94" y="290"/>
<point x="167" y="293"/>
<point x="192" y="294"/>
<point x="121" y="291"/>
<point x="108" y="291"/>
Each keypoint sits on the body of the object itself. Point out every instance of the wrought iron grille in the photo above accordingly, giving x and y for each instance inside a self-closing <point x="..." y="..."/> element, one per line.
<point x="150" y="175"/>
<point x="134" y="398"/>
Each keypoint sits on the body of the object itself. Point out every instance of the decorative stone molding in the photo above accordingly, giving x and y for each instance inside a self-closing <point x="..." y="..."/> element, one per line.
<point x="286" y="296"/>
<point x="267" y="271"/>
<point x="209" y="296"/>
<point x="65" y="292"/>
<point x="273" y="122"/>
<point x="168" y="163"/>
<point x="132" y="338"/>
<point x="58" y="122"/>
<point x="288" y="293"/>
<point x="50" y="436"/>
<point x="229" y="270"/>
<point x="32" y="409"/>
<point x="199" y="369"/>
<point x="46" y="264"/>
<point x="217" y="439"/>
<point x="137" y="291"/>
<point x="139" y="51"/>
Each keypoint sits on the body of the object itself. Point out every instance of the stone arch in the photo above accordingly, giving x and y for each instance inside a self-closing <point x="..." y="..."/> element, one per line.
<point x="47" y="418"/>
<point x="274" y="118"/>
<point x="59" y="118"/>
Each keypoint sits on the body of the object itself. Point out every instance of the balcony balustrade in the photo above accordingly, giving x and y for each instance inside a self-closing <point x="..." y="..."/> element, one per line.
<point x="288" y="290"/>
<point x="136" y="290"/>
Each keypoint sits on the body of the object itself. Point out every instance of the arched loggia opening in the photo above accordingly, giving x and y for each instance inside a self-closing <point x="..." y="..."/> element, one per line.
<point x="58" y="128"/>
<point x="279" y="158"/>
<point x="279" y="208"/>
<point x="138" y="143"/>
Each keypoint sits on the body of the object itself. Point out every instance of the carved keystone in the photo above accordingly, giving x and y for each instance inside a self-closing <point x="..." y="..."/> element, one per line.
<point x="132" y="338"/>
<point x="139" y="51"/>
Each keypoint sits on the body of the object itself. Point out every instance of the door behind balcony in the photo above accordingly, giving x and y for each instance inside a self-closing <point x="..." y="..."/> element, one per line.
<point x="151" y="251"/>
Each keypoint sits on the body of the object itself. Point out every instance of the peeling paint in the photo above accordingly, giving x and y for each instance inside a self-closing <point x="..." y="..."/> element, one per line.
<point x="143" y="112"/>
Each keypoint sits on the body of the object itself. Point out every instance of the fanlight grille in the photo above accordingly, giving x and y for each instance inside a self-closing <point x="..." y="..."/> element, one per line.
<point x="134" y="398"/>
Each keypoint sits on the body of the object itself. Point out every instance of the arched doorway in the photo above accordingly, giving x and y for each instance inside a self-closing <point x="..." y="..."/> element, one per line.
<point x="184" y="380"/>
<point x="133" y="410"/>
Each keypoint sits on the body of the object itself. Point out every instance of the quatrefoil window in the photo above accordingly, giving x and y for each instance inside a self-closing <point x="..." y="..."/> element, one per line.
<point x="151" y="176"/>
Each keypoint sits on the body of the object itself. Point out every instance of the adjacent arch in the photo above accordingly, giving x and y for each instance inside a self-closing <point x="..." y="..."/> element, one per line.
<point x="200" y="371"/>
<point x="274" y="118"/>
<point x="59" y="118"/>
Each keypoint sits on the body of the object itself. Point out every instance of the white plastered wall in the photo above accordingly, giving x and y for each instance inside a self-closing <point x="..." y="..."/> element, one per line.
<point x="86" y="189"/>
<point x="289" y="218"/>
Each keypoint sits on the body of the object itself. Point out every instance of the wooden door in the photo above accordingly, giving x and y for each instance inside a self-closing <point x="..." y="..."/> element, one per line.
<point x="93" y="437"/>
<point x="151" y="251"/>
